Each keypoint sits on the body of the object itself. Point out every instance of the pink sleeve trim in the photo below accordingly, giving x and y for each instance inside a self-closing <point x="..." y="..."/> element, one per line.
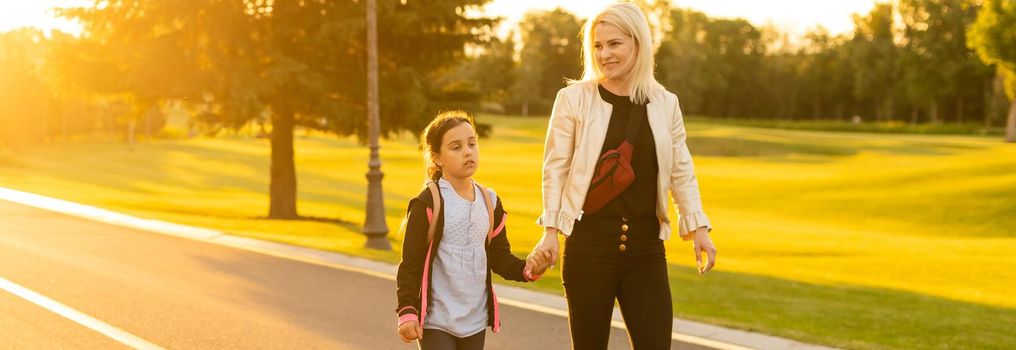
<point x="531" y="277"/>
<point x="408" y="317"/>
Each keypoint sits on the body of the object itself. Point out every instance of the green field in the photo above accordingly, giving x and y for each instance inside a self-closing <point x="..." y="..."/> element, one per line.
<point x="855" y="240"/>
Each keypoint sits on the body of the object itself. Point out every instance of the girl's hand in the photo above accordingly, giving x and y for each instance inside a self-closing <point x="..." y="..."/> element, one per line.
<point x="703" y="244"/>
<point x="410" y="331"/>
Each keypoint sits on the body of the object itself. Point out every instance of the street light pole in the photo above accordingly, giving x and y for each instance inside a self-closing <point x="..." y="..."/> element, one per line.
<point x="374" y="227"/>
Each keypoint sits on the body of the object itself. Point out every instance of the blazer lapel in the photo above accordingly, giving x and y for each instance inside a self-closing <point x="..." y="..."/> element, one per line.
<point x="599" y="120"/>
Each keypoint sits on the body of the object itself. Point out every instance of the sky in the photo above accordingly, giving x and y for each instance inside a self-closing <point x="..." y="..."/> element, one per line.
<point x="792" y="16"/>
<point x="36" y="13"/>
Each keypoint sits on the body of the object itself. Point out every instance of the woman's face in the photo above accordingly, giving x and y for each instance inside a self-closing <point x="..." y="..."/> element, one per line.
<point x="615" y="51"/>
<point x="459" y="156"/>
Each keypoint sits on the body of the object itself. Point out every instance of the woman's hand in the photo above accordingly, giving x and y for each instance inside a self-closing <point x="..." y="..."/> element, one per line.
<point x="548" y="246"/>
<point x="703" y="244"/>
<point x="411" y="330"/>
<point x="538" y="262"/>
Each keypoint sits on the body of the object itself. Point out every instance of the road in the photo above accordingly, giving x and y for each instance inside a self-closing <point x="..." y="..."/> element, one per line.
<point x="182" y="294"/>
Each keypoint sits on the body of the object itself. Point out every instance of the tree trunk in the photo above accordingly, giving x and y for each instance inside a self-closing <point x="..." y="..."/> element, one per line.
<point x="148" y="122"/>
<point x="878" y="108"/>
<point x="818" y="107"/>
<point x="988" y="105"/>
<point x="793" y="105"/>
<point x="959" y="109"/>
<point x="725" y="107"/>
<point x="282" y="185"/>
<point x="913" y="115"/>
<point x="890" y="106"/>
<point x="1010" y="124"/>
<point x="933" y="112"/>
<point x="130" y="133"/>
<point x="991" y="112"/>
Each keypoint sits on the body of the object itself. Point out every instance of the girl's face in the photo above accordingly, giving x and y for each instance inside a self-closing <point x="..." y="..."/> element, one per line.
<point x="615" y="51"/>
<point x="460" y="155"/>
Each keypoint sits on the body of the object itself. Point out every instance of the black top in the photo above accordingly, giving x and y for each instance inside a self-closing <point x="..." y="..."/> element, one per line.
<point x="639" y="199"/>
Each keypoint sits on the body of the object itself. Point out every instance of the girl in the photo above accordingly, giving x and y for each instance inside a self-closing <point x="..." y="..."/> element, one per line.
<point x="455" y="236"/>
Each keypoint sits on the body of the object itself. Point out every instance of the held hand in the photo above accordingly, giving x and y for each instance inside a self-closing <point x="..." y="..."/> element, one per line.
<point x="703" y="244"/>
<point x="530" y="263"/>
<point x="548" y="246"/>
<point x="410" y="331"/>
<point x="538" y="262"/>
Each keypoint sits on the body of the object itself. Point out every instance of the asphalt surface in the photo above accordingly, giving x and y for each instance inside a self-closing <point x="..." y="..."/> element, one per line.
<point x="183" y="294"/>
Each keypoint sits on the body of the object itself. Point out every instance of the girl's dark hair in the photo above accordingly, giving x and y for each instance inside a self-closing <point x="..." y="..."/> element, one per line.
<point x="430" y="140"/>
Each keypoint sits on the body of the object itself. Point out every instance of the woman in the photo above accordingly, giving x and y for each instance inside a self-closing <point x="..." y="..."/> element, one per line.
<point x="614" y="242"/>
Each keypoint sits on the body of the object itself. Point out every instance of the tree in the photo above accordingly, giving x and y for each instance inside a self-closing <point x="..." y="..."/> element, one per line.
<point x="721" y="59"/>
<point x="475" y="73"/>
<point x="993" y="35"/>
<point x="875" y="57"/>
<point x="551" y="53"/>
<point x="299" y="63"/>
<point x="780" y="69"/>
<point x="681" y="60"/>
<point x="133" y="51"/>
<point x="62" y="67"/>
<point x="23" y="98"/>
<point x="826" y="75"/>
<point x="936" y="58"/>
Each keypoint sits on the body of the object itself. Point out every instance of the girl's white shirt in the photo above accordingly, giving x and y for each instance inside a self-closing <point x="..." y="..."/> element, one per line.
<point x="459" y="299"/>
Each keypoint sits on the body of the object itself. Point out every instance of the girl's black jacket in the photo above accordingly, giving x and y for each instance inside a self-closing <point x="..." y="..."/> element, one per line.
<point x="413" y="278"/>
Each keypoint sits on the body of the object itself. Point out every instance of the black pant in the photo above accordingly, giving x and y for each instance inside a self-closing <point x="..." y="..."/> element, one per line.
<point x="434" y="339"/>
<point x="597" y="270"/>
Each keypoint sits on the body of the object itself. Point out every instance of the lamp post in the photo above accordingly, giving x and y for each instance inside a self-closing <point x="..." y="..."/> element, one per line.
<point x="374" y="226"/>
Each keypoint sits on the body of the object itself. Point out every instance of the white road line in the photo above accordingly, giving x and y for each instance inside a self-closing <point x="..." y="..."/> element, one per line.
<point x="76" y="316"/>
<point x="105" y="216"/>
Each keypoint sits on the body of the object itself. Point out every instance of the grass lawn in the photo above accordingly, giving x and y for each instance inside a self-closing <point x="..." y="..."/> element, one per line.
<point x="975" y="127"/>
<point x="854" y="240"/>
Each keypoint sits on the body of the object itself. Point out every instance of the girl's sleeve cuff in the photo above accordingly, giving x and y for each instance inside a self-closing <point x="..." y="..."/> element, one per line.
<point x="407" y="318"/>
<point x="531" y="277"/>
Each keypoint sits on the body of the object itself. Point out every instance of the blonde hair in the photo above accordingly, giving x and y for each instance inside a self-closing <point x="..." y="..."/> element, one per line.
<point x="632" y="22"/>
